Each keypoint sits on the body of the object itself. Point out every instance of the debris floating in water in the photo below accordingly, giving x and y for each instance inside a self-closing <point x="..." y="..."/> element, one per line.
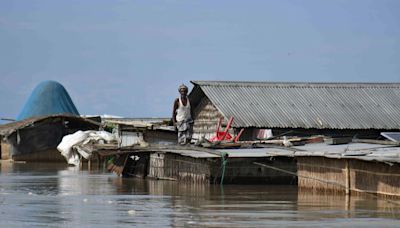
<point x="131" y="212"/>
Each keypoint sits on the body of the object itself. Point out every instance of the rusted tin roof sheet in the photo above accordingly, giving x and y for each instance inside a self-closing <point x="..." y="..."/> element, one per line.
<point x="305" y="105"/>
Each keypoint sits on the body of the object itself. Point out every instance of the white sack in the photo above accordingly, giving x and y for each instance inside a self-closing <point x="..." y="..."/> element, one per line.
<point x="65" y="147"/>
<point x="72" y="146"/>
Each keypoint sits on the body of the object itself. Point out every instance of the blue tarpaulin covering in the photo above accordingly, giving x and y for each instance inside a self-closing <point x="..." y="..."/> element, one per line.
<point x="48" y="98"/>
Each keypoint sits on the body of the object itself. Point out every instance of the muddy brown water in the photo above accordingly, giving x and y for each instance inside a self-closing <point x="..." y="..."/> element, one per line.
<point x="54" y="195"/>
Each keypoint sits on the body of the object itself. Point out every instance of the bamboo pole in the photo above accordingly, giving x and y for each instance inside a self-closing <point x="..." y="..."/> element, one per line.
<point x="347" y="174"/>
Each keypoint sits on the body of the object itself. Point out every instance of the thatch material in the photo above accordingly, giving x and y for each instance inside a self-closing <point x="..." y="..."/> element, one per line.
<point x="206" y="117"/>
<point x="175" y="167"/>
<point x="344" y="175"/>
<point x="324" y="169"/>
<point x="247" y="171"/>
<point x="170" y="166"/>
<point x="374" y="177"/>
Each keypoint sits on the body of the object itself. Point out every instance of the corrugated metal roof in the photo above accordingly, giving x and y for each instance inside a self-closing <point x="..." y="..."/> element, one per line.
<point x="306" y="105"/>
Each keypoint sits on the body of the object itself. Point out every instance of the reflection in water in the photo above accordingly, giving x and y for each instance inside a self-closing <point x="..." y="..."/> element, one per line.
<point x="346" y="206"/>
<point x="55" y="194"/>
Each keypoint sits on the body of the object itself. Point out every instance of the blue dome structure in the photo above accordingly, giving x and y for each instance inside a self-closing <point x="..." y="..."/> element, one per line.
<point x="48" y="98"/>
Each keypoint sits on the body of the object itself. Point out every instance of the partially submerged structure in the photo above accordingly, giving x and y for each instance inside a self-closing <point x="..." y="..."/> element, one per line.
<point x="194" y="164"/>
<point x="336" y="109"/>
<point x="354" y="110"/>
<point x="347" y="168"/>
<point x="36" y="138"/>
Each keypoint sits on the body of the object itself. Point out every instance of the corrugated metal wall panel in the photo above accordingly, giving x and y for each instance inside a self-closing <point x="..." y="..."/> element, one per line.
<point x="128" y="138"/>
<point x="307" y="105"/>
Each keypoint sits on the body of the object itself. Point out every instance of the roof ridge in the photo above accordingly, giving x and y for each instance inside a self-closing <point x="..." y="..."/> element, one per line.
<point x="296" y="84"/>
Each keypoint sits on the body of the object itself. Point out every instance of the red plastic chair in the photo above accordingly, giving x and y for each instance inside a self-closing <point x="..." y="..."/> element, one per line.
<point x="224" y="135"/>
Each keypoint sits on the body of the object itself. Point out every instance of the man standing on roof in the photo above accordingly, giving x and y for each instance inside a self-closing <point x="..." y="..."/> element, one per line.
<point x="182" y="116"/>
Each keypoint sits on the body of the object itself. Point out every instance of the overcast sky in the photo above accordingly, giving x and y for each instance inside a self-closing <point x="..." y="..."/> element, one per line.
<point x="127" y="58"/>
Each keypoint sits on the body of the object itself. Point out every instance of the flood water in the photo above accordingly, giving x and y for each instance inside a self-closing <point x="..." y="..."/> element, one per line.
<point x="54" y="195"/>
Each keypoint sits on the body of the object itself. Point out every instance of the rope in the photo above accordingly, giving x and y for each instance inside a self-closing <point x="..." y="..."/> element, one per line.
<point x="224" y="161"/>
<point x="295" y="174"/>
<point x="111" y="160"/>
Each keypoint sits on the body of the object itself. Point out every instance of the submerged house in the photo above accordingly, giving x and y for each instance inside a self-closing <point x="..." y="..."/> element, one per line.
<point x="360" y="110"/>
<point x="36" y="138"/>
<point x="356" y="110"/>
<point x="48" y="115"/>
